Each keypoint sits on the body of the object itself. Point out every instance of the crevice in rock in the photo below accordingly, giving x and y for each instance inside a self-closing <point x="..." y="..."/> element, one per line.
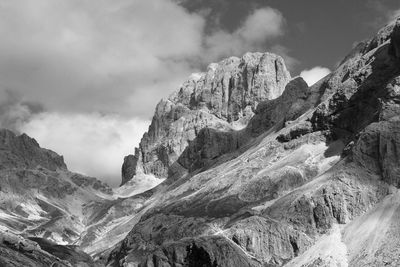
<point x="198" y="257"/>
<point x="294" y="245"/>
<point x="276" y="69"/>
<point x="236" y="240"/>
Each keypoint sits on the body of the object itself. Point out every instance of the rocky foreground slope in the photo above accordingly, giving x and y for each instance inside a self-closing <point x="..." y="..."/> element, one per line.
<point x="310" y="178"/>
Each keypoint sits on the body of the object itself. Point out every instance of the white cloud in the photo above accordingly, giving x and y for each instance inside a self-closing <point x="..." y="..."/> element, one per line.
<point x="313" y="75"/>
<point x="260" y="26"/>
<point x="66" y="53"/>
<point x="91" y="144"/>
<point x="71" y="60"/>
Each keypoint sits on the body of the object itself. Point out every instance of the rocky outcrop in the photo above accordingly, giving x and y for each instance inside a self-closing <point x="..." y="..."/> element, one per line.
<point x="364" y="109"/>
<point x="70" y="254"/>
<point x="378" y="149"/>
<point x="24" y="152"/>
<point x="275" y="242"/>
<point x="209" y="144"/>
<point x="235" y="86"/>
<point x="353" y="94"/>
<point x="201" y="252"/>
<point x="129" y="168"/>
<point x="289" y="106"/>
<point x="17" y="251"/>
<point x="225" y="97"/>
<point x="90" y="182"/>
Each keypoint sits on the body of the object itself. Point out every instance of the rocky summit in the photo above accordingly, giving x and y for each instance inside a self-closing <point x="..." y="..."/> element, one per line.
<point x="225" y="97"/>
<point x="243" y="166"/>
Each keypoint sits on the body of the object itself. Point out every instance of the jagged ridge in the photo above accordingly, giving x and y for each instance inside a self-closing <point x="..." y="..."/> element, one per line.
<point x="224" y="97"/>
<point x="43" y="201"/>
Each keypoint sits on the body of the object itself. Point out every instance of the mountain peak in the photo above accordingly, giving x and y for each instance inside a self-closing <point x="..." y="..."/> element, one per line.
<point x="223" y="97"/>
<point x="24" y="152"/>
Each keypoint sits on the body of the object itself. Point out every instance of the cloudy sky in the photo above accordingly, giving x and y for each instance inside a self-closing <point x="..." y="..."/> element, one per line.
<point x="83" y="76"/>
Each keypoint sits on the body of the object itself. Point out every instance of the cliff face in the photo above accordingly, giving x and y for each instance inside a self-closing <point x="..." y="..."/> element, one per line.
<point x="224" y="97"/>
<point x="312" y="179"/>
<point x="210" y="143"/>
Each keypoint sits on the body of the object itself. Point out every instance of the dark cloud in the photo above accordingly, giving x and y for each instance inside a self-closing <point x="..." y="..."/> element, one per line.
<point x="385" y="12"/>
<point x="14" y="111"/>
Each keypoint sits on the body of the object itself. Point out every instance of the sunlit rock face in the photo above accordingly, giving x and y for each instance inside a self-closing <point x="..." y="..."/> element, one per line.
<point x="24" y="152"/>
<point x="211" y="143"/>
<point x="224" y="97"/>
<point x="310" y="178"/>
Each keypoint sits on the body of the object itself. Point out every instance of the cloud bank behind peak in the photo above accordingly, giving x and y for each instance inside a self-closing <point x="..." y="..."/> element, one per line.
<point x="83" y="77"/>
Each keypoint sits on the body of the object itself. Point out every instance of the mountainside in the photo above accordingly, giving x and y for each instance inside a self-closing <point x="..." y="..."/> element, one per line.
<point x="244" y="166"/>
<point x="199" y="104"/>
<point x="309" y="178"/>
<point x="40" y="198"/>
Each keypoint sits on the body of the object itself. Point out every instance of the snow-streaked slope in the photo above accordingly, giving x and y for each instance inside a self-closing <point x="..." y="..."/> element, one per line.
<point x="140" y="184"/>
